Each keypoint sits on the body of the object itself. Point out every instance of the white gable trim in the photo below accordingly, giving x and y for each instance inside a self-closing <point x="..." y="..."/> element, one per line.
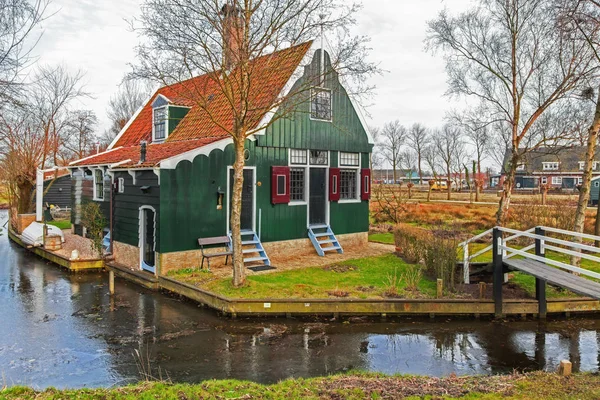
<point x="92" y="156"/>
<point x="161" y="96"/>
<point x="268" y="117"/>
<point x="171" y="163"/>
<point x="128" y="124"/>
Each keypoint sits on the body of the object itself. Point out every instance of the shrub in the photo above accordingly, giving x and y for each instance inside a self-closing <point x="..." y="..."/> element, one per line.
<point x="411" y="242"/>
<point x="411" y="277"/>
<point x="440" y="257"/>
<point x="391" y="283"/>
<point x="94" y="222"/>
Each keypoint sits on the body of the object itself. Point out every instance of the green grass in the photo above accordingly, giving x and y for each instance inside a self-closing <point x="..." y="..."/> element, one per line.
<point x="62" y="224"/>
<point x="361" y="278"/>
<point x="356" y="386"/>
<point x="387" y="238"/>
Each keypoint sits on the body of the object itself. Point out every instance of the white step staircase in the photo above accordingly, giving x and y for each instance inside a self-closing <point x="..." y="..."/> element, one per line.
<point x="324" y="240"/>
<point x="252" y="248"/>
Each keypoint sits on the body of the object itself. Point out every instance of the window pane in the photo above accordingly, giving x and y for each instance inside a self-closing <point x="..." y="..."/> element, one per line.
<point x="320" y="107"/>
<point x="297" y="179"/>
<point x="99" y="183"/>
<point x="318" y="157"/>
<point x="298" y="157"/>
<point x="280" y="185"/>
<point x="160" y="117"/>
<point x="349" y="159"/>
<point x="348" y="184"/>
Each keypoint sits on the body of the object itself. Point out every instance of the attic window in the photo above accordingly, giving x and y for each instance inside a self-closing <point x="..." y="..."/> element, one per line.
<point x="159" y="127"/>
<point x="550" y="166"/>
<point x="320" y="104"/>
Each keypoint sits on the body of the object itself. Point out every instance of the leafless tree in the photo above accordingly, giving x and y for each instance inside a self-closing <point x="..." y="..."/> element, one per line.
<point x="393" y="136"/>
<point x="184" y="39"/>
<point x="408" y="161"/>
<point x="18" y="20"/>
<point x="78" y="138"/>
<point x="448" y="145"/>
<point x="131" y="95"/>
<point x="510" y="58"/>
<point x="417" y="140"/>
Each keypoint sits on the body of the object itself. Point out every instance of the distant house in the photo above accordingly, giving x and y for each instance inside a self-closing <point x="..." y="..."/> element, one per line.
<point x="595" y="190"/>
<point x="558" y="167"/>
<point x="169" y="171"/>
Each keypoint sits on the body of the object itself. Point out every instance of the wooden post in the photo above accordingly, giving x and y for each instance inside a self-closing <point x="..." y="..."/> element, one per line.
<point x="498" y="267"/>
<point x="440" y="288"/>
<point x="466" y="267"/>
<point x="540" y="284"/>
<point x="565" y="368"/>
<point x="482" y="287"/>
<point x="111" y="282"/>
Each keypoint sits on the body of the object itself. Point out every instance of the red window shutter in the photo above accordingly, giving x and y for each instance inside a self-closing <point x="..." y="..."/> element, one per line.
<point x="334" y="184"/>
<point x="280" y="185"/>
<point x="365" y="187"/>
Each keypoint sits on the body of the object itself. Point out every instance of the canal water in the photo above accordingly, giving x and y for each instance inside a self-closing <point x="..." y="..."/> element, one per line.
<point x="62" y="329"/>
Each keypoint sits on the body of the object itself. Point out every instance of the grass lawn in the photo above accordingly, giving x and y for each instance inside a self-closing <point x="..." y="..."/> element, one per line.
<point x="356" y="386"/>
<point x="361" y="278"/>
<point x="62" y="224"/>
<point x="387" y="238"/>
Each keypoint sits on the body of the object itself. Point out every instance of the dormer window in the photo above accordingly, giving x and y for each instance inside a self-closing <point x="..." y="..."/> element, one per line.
<point x="521" y="167"/>
<point x="320" y="104"/>
<point x="550" y="166"/>
<point x="159" y="130"/>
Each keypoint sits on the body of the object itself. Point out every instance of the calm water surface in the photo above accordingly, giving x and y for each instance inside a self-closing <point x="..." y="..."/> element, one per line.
<point x="62" y="329"/>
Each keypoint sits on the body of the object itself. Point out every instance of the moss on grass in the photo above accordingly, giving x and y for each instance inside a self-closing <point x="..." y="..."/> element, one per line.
<point x="358" y="386"/>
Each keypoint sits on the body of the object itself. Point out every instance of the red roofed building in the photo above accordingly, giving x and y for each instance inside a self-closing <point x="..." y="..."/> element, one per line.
<point x="168" y="172"/>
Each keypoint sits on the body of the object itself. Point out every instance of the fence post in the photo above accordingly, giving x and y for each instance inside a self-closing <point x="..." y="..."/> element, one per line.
<point x="498" y="269"/>
<point x="466" y="266"/>
<point x="540" y="284"/>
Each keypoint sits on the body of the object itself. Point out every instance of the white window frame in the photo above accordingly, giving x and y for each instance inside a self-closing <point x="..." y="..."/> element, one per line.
<point x="166" y="108"/>
<point x="357" y="197"/>
<point x="95" y="195"/>
<point x="312" y="96"/>
<point x="306" y="178"/>
<point x="557" y="180"/>
<point x="597" y="183"/>
<point x="551" y="166"/>
<point x="521" y="167"/>
<point x="581" y="165"/>
<point x="544" y="180"/>
<point x="579" y="180"/>
<point x="595" y="165"/>
<point x="121" y="185"/>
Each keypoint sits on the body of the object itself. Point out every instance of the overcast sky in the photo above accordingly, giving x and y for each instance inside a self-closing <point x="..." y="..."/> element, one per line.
<point x="93" y="35"/>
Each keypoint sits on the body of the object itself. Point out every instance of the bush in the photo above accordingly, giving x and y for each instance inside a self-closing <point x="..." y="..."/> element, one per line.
<point x="411" y="243"/>
<point x="412" y="276"/>
<point x="440" y="257"/>
<point x="94" y="222"/>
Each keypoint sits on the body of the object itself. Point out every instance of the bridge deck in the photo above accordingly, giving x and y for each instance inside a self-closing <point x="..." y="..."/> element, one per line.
<point x="555" y="276"/>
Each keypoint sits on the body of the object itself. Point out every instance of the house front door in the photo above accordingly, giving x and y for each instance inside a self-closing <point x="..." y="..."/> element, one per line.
<point x="147" y="235"/>
<point x="247" y="217"/>
<point x="317" y="197"/>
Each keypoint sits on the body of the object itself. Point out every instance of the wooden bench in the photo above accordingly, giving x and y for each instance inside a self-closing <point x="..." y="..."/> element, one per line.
<point x="222" y="240"/>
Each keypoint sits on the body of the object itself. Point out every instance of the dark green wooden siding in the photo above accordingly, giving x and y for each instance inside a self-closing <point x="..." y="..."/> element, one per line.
<point x="82" y="191"/>
<point x="176" y="114"/>
<point x="127" y="206"/>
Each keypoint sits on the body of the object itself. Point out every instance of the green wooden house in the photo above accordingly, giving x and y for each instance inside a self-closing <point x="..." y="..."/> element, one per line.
<point x="166" y="179"/>
<point x="595" y="191"/>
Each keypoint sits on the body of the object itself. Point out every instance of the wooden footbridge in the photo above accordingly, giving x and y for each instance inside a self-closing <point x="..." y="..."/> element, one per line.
<point x="533" y="261"/>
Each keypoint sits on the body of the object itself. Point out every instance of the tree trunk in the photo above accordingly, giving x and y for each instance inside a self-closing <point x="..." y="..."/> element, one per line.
<point x="239" y="271"/>
<point x="449" y="185"/>
<point x="24" y="205"/>
<point x="420" y="169"/>
<point x="584" y="191"/>
<point x="509" y="183"/>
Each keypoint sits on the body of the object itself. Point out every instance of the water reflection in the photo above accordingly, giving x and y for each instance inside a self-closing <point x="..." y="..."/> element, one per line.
<point x="64" y="330"/>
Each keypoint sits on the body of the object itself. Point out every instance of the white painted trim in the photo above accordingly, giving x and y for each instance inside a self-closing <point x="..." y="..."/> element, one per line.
<point x="322" y="89"/>
<point x="160" y="95"/>
<point x="95" y="195"/>
<point x="142" y="234"/>
<point x="327" y="202"/>
<point x="39" y="195"/>
<point x="228" y="195"/>
<point x="166" y="108"/>
<point x="157" y="173"/>
<point x="128" y="124"/>
<point x="171" y="163"/>
<point x="132" y="173"/>
<point x="358" y="198"/>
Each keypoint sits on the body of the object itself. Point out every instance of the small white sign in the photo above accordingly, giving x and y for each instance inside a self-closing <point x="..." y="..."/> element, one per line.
<point x="306" y="304"/>
<point x="267" y="305"/>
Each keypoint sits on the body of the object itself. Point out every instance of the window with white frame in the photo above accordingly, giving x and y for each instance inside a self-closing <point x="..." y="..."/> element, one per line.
<point x="298" y="157"/>
<point x="521" y="167"/>
<point x="98" y="184"/>
<point x="597" y="183"/>
<point x="159" y="127"/>
<point x="320" y="104"/>
<point x="579" y="180"/>
<point x="349" y="175"/>
<point x="121" y="185"/>
<point x="297" y="184"/>
<point x="550" y="166"/>
<point x="557" y="180"/>
<point x="544" y="180"/>
<point x="319" y="157"/>
<point x="581" y="165"/>
<point x="595" y="165"/>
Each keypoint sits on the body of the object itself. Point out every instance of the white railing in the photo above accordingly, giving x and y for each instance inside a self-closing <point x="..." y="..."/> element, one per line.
<point x="467" y="258"/>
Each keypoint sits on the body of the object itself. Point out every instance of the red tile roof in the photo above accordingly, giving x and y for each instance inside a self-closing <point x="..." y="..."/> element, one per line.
<point x="200" y="127"/>
<point x="155" y="153"/>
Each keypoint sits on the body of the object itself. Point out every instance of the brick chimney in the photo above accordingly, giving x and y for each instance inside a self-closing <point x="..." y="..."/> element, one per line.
<point x="233" y="34"/>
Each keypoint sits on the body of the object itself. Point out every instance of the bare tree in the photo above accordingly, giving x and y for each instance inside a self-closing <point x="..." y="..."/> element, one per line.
<point x="131" y="95"/>
<point x="184" y="39"/>
<point x="78" y="138"/>
<point x="512" y="60"/>
<point x="408" y="161"/>
<point x="18" y="20"/>
<point x="418" y="139"/>
<point x="393" y="135"/>
<point x="447" y="144"/>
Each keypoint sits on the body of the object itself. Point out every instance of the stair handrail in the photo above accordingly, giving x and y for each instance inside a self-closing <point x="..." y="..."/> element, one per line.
<point x="571" y="233"/>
